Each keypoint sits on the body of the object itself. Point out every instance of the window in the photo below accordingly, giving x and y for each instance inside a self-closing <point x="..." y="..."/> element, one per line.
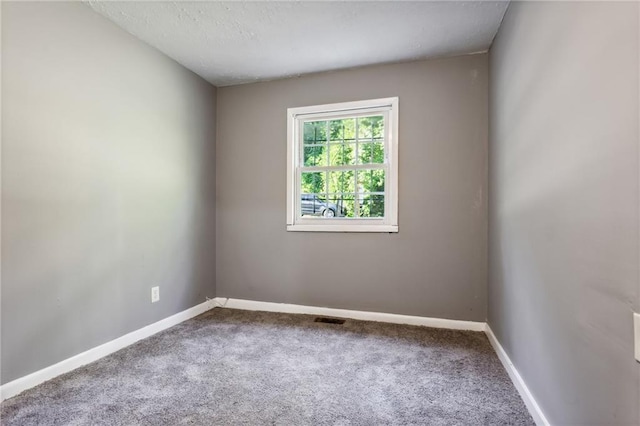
<point x="343" y="167"/>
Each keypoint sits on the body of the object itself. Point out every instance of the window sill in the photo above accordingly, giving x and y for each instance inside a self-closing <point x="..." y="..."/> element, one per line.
<point x="343" y="228"/>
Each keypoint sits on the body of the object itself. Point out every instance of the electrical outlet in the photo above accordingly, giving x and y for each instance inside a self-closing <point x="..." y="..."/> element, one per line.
<point x="636" y="326"/>
<point x="155" y="294"/>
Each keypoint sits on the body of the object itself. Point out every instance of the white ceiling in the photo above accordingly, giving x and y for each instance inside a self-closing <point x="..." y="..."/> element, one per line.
<point x="235" y="42"/>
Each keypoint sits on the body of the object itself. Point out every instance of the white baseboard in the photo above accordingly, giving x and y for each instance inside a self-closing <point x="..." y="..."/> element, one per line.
<point x="518" y="382"/>
<point x="251" y="305"/>
<point x="15" y="387"/>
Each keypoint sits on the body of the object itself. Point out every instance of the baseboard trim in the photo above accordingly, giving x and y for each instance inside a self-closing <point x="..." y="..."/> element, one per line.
<point x="518" y="381"/>
<point x="17" y="386"/>
<point x="252" y="305"/>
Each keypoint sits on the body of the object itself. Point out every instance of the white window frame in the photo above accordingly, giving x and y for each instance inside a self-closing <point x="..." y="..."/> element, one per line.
<point x="295" y="117"/>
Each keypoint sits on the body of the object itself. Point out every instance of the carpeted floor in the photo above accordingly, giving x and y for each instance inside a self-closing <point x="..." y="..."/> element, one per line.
<point x="230" y="367"/>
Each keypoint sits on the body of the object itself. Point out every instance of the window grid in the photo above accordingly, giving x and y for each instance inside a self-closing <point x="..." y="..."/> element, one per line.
<point x="359" y="165"/>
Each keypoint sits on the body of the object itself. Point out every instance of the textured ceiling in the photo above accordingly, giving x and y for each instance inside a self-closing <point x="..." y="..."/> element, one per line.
<point x="235" y="42"/>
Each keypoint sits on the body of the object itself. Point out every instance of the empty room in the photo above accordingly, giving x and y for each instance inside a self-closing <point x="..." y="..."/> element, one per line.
<point x="320" y="213"/>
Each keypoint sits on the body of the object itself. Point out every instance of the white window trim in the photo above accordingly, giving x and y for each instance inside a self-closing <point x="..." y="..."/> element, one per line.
<point x="387" y="224"/>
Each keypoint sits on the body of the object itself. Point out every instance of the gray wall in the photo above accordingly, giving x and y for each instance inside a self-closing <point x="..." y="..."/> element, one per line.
<point x="435" y="266"/>
<point x="107" y="184"/>
<point x="564" y="205"/>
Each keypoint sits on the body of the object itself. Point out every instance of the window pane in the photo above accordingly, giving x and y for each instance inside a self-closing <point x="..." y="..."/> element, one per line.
<point x="371" y="128"/>
<point x="314" y="205"/>
<point x="364" y="128"/>
<point x="377" y="127"/>
<point x="371" y="153"/>
<point x="342" y="154"/>
<point x="315" y="132"/>
<point x="371" y="180"/>
<point x="364" y="153"/>
<point x="343" y="204"/>
<point x="314" y="155"/>
<point x="372" y="205"/>
<point x="377" y="153"/>
<point x="343" y="130"/>
<point x="313" y="183"/>
<point x="342" y="181"/>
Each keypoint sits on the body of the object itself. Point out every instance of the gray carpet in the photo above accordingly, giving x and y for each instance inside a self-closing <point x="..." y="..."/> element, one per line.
<point x="231" y="367"/>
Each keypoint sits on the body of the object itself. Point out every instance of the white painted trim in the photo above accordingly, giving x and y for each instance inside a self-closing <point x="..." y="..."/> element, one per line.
<point x="343" y="228"/>
<point x="291" y="166"/>
<point x="342" y="107"/>
<point x="636" y="332"/>
<point x="393" y="159"/>
<point x="17" y="386"/>
<point x="518" y="381"/>
<point x="295" y="117"/>
<point x="251" y="305"/>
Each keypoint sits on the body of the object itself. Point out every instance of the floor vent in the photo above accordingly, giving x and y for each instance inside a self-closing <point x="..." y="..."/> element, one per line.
<point x="329" y="320"/>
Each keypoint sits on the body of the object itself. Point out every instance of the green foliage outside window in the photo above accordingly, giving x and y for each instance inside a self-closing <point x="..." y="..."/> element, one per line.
<point x="345" y="142"/>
